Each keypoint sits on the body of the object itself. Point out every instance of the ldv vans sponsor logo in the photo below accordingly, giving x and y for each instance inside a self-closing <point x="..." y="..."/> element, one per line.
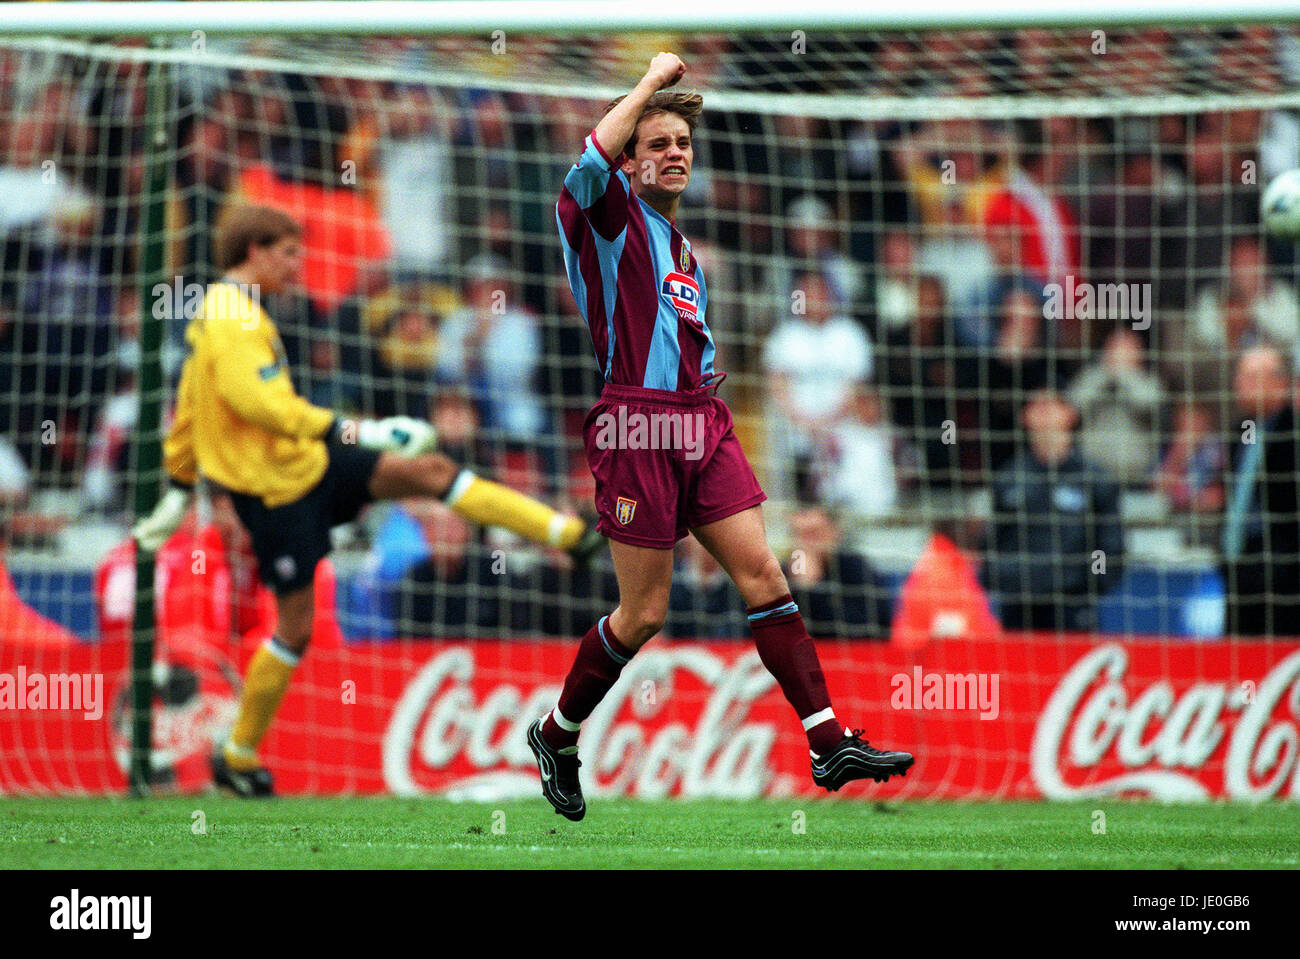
<point x="684" y="294"/>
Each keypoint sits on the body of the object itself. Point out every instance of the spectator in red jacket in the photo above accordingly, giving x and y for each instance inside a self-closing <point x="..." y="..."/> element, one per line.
<point x="208" y="599"/>
<point x="1032" y="215"/>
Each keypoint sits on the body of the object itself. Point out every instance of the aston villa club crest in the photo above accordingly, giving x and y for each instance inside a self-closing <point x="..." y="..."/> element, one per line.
<point x="684" y="258"/>
<point x="624" y="509"/>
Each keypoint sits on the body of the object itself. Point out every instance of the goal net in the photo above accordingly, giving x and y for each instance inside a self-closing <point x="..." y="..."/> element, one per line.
<point x="1005" y="341"/>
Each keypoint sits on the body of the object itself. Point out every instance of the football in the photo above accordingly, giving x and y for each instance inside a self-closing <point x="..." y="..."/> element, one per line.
<point x="1280" y="206"/>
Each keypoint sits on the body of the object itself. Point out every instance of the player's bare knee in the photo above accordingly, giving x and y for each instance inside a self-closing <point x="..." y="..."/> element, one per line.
<point x="294" y="630"/>
<point x="296" y="613"/>
<point x="436" y="473"/>
<point x="762" y="582"/>
<point x="296" y="643"/>
<point x="430" y="474"/>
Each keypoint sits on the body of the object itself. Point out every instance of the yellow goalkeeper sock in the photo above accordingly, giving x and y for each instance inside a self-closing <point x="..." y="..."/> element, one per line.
<point x="491" y="504"/>
<point x="265" y="683"/>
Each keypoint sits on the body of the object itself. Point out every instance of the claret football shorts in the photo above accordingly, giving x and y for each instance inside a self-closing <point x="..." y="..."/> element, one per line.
<point x="664" y="463"/>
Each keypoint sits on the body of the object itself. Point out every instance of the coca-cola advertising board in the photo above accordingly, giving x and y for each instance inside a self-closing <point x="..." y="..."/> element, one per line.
<point x="1021" y="717"/>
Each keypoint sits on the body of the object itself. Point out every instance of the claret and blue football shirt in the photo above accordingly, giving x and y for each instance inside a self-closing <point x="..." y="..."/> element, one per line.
<point x="636" y="281"/>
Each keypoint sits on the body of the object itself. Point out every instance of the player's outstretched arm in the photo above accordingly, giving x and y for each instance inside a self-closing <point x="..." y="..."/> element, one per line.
<point x="182" y="472"/>
<point x="617" y="126"/>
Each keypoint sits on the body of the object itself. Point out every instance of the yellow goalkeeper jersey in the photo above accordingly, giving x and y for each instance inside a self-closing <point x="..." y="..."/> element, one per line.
<point x="238" y="421"/>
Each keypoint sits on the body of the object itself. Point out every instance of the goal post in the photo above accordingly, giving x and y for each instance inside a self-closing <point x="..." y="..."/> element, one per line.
<point x="147" y="465"/>
<point x="914" y="224"/>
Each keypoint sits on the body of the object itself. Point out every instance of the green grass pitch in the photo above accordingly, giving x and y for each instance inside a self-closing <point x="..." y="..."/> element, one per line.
<point x="388" y="833"/>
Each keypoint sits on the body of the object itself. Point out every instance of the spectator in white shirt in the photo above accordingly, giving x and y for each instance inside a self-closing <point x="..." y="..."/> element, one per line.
<point x="1270" y="304"/>
<point x="817" y="359"/>
<point x="854" y="465"/>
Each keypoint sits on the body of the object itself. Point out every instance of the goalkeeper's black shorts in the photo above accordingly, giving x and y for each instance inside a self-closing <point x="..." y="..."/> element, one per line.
<point x="290" y="540"/>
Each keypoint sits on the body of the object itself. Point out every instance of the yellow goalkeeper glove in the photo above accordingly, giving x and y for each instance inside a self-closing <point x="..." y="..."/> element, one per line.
<point x="396" y="434"/>
<point x="152" y="531"/>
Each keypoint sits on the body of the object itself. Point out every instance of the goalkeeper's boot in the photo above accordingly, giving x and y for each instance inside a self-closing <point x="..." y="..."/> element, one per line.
<point x="854" y="758"/>
<point x="559" y="771"/>
<point x="249" y="784"/>
<point x="585" y="549"/>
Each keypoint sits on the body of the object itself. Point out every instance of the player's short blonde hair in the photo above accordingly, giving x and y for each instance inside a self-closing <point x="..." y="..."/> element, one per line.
<point x="688" y="106"/>
<point x="245" y="224"/>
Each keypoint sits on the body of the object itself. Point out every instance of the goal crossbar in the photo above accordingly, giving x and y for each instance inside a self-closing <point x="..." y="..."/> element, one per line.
<point x="379" y="17"/>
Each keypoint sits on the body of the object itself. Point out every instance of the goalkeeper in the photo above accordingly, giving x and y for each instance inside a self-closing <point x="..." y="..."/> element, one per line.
<point x="294" y="470"/>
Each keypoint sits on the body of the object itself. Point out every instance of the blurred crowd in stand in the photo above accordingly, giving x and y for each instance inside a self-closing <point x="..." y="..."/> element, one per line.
<point x="1063" y="311"/>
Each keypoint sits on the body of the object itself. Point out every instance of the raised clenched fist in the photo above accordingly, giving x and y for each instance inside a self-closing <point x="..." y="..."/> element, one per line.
<point x="666" y="69"/>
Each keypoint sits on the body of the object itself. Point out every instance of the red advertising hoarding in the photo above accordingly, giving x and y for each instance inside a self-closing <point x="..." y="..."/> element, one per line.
<point x="1018" y="717"/>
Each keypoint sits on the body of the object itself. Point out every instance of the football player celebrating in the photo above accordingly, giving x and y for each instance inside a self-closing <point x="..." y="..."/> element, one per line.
<point x="642" y="294"/>
<point x="294" y="470"/>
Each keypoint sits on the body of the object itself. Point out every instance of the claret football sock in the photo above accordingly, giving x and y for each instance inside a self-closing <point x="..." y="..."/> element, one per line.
<point x="265" y="683"/>
<point x="490" y="504"/>
<point x="601" y="658"/>
<point x="788" y="652"/>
